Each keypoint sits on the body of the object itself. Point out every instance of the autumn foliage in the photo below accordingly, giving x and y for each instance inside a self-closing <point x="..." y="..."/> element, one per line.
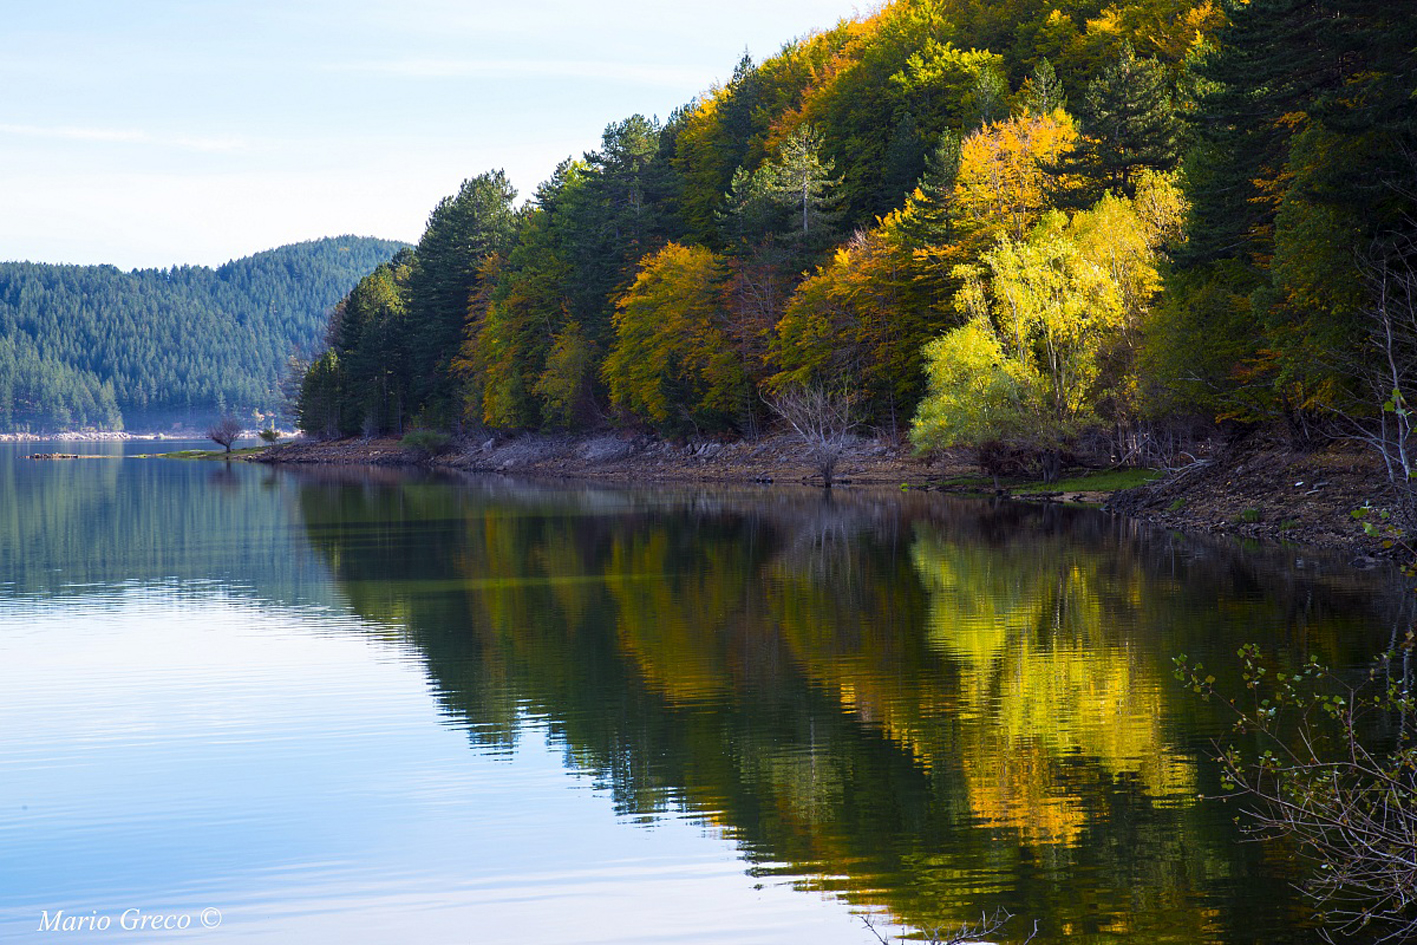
<point x="973" y="216"/>
<point x="672" y="364"/>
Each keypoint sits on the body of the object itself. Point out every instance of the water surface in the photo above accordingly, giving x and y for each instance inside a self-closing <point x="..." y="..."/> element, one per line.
<point x="358" y="706"/>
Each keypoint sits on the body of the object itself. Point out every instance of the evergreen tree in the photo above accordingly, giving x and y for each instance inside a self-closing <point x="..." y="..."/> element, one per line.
<point x="369" y="334"/>
<point x="1128" y="124"/>
<point x="905" y="156"/>
<point x="623" y="216"/>
<point x="933" y="208"/>
<point x="986" y="102"/>
<point x="321" y="409"/>
<point x="1042" y="91"/>
<point x="463" y="230"/>
<point x="802" y="181"/>
<point x="1302" y="166"/>
<point x="154" y="347"/>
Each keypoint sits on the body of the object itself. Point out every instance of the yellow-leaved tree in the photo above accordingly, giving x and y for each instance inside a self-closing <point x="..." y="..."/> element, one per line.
<point x="1005" y="174"/>
<point x="859" y="320"/>
<point x="1052" y="320"/>
<point x="672" y="364"/>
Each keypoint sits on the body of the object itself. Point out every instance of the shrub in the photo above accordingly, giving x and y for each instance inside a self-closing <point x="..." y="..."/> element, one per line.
<point x="425" y="442"/>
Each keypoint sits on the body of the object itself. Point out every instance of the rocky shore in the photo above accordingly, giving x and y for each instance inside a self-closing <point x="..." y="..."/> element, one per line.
<point x="633" y="458"/>
<point x="1263" y="490"/>
<point x="1249" y="487"/>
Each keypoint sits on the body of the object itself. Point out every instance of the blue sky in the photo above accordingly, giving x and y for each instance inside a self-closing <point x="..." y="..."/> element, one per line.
<point x="158" y="132"/>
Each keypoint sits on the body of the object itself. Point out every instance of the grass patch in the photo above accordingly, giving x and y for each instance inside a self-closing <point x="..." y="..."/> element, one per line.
<point x="966" y="482"/>
<point x="1250" y="516"/>
<point x="1111" y="480"/>
<point x="206" y="454"/>
<point x="1177" y="505"/>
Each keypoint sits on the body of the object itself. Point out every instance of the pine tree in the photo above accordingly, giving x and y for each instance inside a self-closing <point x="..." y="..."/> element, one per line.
<point x="1128" y="123"/>
<point x="933" y="207"/>
<point x="802" y="181"/>
<point x="463" y="230"/>
<point x="905" y="155"/>
<point x="986" y="103"/>
<point x="1042" y="91"/>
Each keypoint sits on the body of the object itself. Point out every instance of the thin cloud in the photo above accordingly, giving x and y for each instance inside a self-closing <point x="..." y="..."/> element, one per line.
<point x="122" y="136"/>
<point x="524" y="68"/>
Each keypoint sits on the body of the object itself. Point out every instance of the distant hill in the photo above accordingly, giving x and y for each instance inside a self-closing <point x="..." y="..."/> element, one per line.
<point x="93" y="346"/>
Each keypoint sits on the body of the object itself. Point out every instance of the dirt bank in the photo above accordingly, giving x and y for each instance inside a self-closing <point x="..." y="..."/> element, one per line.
<point x="633" y="458"/>
<point x="1256" y="487"/>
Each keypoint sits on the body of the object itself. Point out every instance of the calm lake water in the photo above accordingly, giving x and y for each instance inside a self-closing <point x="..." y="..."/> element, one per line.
<point x="358" y="706"/>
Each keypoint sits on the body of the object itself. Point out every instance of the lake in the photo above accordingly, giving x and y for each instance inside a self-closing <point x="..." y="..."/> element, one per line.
<point x="322" y="706"/>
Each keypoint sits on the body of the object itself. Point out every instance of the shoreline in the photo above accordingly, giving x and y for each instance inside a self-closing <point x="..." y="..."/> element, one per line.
<point x="625" y="457"/>
<point x="1249" y="488"/>
<point x="91" y="436"/>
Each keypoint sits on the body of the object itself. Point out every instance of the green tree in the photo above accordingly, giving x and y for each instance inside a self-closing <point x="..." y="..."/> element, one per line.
<point x="932" y="206"/>
<point x="92" y="346"/>
<point x="320" y="409"/>
<point x="463" y="230"/>
<point x="986" y="103"/>
<point x="566" y="385"/>
<point x="1051" y="341"/>
<point x="1304" y="127"/>
<point x="801" y="181"/>
<point x="792" y="201"/>
<point x="1129" y="123"/>
<point x="717" y="139"/>
<point x="1042" y="91"/>
<point x="369" y="332"/>
<point x="977" y="392"/>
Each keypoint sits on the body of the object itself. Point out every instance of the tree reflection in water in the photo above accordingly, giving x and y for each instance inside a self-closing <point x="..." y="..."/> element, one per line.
<point x="930" y="706"/>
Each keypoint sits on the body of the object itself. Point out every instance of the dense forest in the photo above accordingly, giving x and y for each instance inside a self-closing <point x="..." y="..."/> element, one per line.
<point x="1008" y="221"/>
<point x="91" y="346"/>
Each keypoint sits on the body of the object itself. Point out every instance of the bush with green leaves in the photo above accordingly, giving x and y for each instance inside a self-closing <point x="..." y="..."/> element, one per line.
<point x="425" y="442"/>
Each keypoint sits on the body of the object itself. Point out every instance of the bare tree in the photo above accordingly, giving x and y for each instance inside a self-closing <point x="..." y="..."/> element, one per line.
<point x="823" y="419"/>
<point x="1386" y="367"/>
<point x="225" y="431"/>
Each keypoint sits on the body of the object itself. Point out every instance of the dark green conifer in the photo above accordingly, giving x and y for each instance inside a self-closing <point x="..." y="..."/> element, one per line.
<point x="1042" y="91"/>
<point x="463" y="230"/>
<point x="1129" y="124"/>
<point x="933" y="220"/>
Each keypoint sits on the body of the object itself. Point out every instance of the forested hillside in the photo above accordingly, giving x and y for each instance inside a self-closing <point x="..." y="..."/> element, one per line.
<point x="91" y="346"/>
<point x="985" y="221"/>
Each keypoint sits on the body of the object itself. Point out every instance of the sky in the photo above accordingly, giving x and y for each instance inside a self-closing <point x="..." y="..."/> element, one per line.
<point x="151" y="133"/>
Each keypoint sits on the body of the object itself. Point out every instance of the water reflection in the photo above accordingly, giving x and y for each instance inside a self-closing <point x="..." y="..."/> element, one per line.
<point x="68" y="527"/>
<point x="923" y="705"/>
